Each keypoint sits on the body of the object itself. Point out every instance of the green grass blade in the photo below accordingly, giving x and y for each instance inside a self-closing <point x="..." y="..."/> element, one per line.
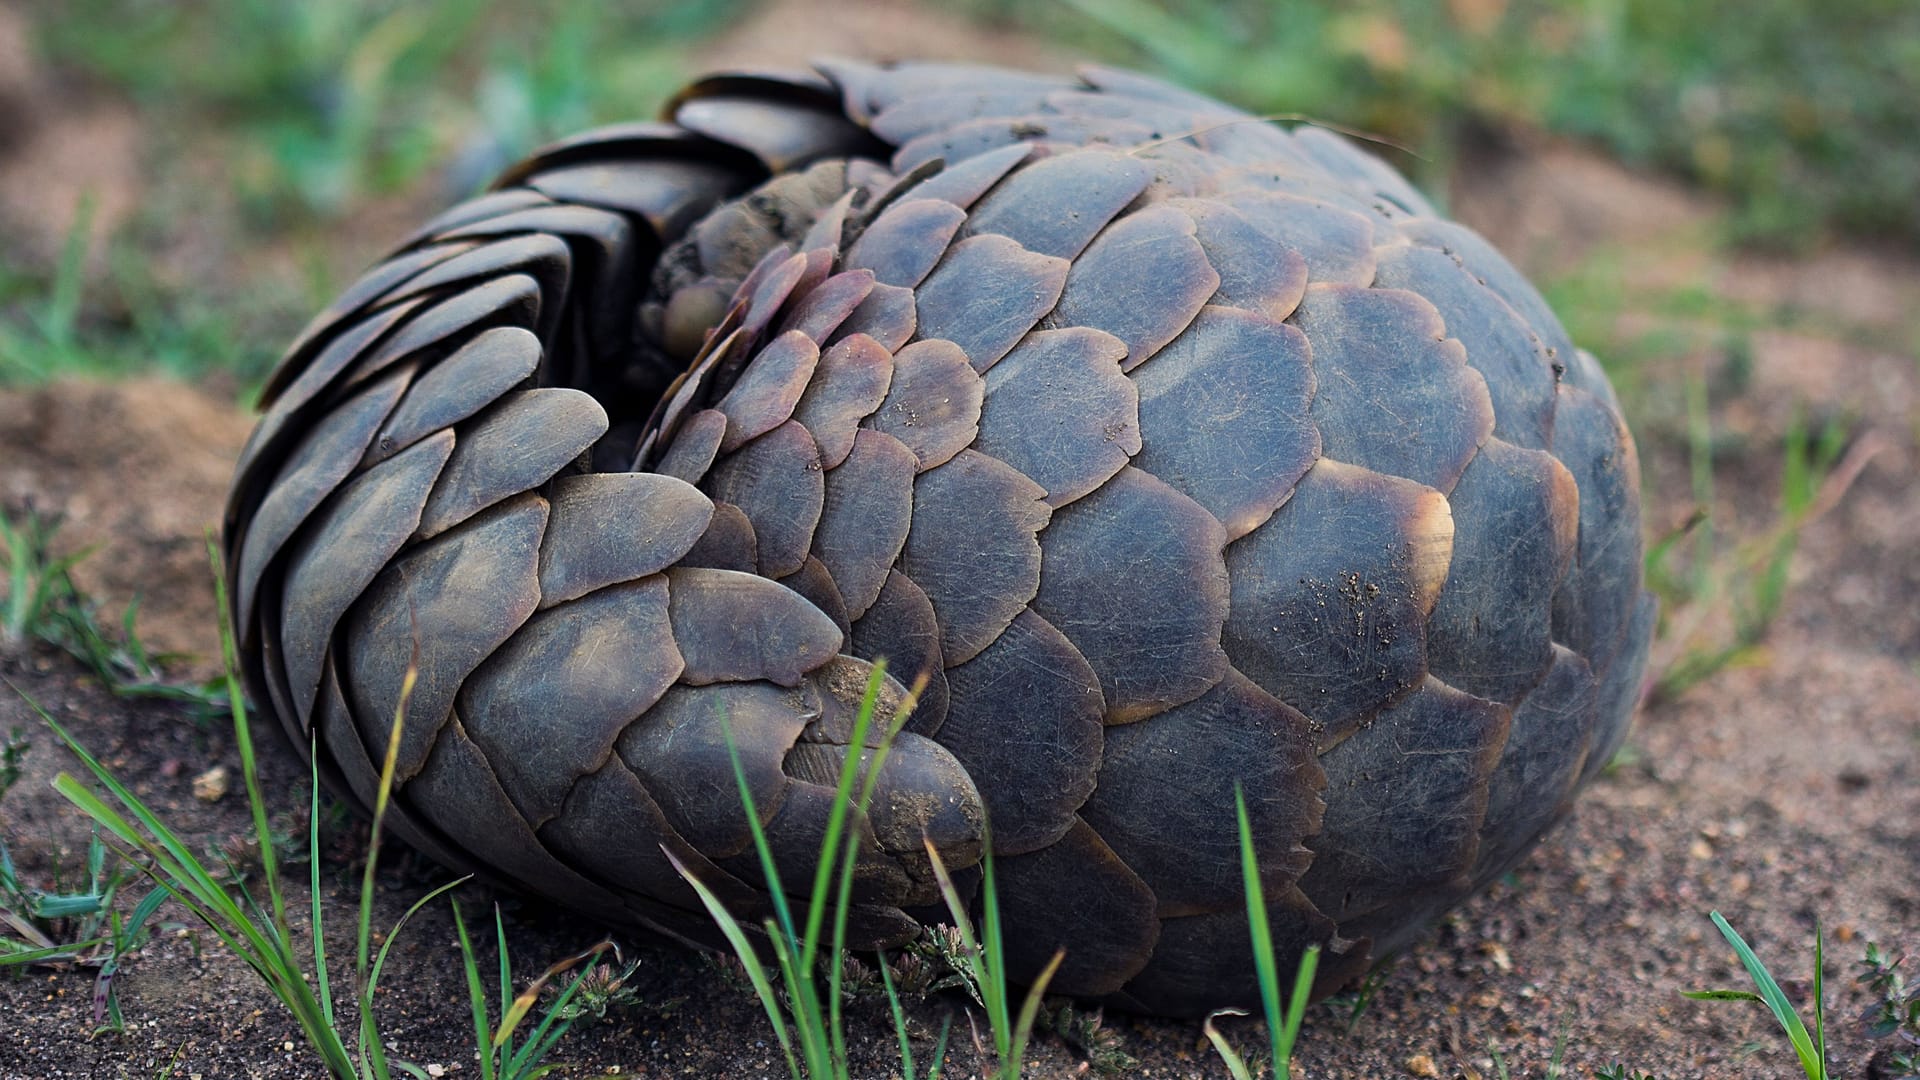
<point x="809" y="1026"/>
<point x="553" y="1024"/>
<point x="1723" y="995"/>
<point x="1282" y="1032"/>
<point x="243" y="738"/>
<point x="517" y="1010"/>
<point x="380" y="958"/>
<point x="144" y="910"/>
<point x="66" y="906"/>
<point x="1820" y="998"/>
<point x="749" y="959"/>
<point x="770" y="873"/>
<point x="62" y="312"/>
<point x="899" y="1017"/>
<point x="939" y="1062"/>
<point x="843" y="894"/>
<point x="176" y="867"/>
<point x="1257" y="926"/>
<point x="803" y="1000"/>
<point x="1776" y="1001"/>
<point x="993" y="984"/>
<point x="1023" y="1029"/>
<point x="475" y="995"/>
<point x="1297" y="1006"/>
<point x="383" y="792"/>
<point x="1236" y="1065"/>
<point x="96" y="861"/>
<point x="506" y="967"/>
<point x="263" y="949"/>
<point x="320" y="977"/>
<point x="962" y="923"/>
<point x="9" y="957"/>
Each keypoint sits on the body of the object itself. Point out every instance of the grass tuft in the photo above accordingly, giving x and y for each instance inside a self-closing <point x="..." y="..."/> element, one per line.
<point x="43" y="603"/>
<point x="1720" y="601"/>
<point x="1811" y="1049"/>
<point x="1283" y="1030"/>
<point x="265" y="938"/>
<point x="807" y="1018"/>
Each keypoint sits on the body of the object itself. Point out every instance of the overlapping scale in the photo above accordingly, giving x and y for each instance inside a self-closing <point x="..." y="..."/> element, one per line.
<point x="679" y="751"/>
<point x="344" y="548"/>
<point x="972" y="548"/>
<point x="459" y="793"/>
<point x="1597" y="600"/>
<point x="1257" y="271"/>
<point x="607" y="528"/>
<point x="1059" y="410"/>
<point x="310" y="473"/>
<point x="1516" y="521"/>
<point x="693" y="447"/>
<point x="905" y="242"/>
<point x="901" y="628"/>
<point x="1143" y="280"/>
<point x="776" y="480"/>
<point x="1331" y="596"/>
<point x="851" y="381"/>
<point x="1539" y="759"/>
<point x="475" y="376"/>
<point x="1166" y="796"/>
<point x="933" y="402"/>
<point x="1209" y="957"/>
<point x="732" y="626"/>
<point x="1076" y="895"/>
<point x="1137" y="537"/>
<point x="1391" y="392"/>
<point x="440" y="610"/>
<point x="986" y="294"/>
<point x="1397" y="840"/>
<point x="865" y="517"/>
<point x="599" y="661"/>
<point x="1057" y="205"/>
<point x="1519" y="372"/>
<point x="1337" y="245"/>
<point x="1024" y="717"/>
<point x="1224" y="415"/>
<point x="765" y="394"/>
<point x="519" y="443"/>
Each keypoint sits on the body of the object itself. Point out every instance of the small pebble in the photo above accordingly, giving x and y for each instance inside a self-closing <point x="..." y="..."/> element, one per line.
<point x="211" y="786"/>
<point x="1422" y="1065"/>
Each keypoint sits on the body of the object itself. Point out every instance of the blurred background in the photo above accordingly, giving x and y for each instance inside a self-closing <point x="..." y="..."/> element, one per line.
<point x="1721" y="199"/>
<point x="208" y="169"/>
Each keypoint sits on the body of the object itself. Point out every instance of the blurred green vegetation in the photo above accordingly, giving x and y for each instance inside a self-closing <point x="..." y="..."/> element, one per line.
<point x="1801" y="114"/>
<point x="281" y="142"/>
<point x="271" y="127"/>
<point x="332" y="100"/>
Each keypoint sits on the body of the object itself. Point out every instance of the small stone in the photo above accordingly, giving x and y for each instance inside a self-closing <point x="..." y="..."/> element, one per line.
<point x="1497" y="953"/>
<point x="1422" y="1065"/>
<point x="211" y="786"/>
<point x="1700" y="849"/>
<point x="436" y="1071"/>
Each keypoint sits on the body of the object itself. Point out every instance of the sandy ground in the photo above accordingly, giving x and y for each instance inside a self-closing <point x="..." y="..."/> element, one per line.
<point x="1780" y="792"/>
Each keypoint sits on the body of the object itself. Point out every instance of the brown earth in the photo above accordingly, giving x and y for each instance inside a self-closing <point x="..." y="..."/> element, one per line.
<point x="1780" y="792"/>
